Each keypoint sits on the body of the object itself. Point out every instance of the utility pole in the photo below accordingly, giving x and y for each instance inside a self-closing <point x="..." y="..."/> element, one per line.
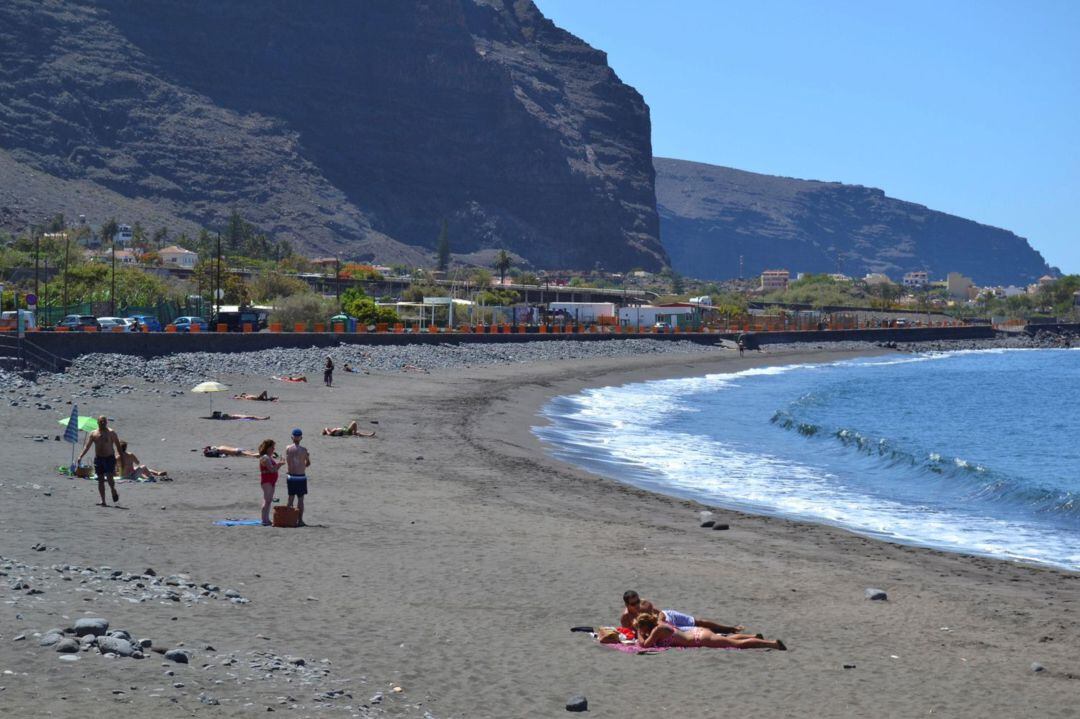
<point x="67" y="261"/>
<point x="337" y="281"/>
<point x="218" y="292"/>
<point x="112" y="286"/>
<point x="37" y="253"/>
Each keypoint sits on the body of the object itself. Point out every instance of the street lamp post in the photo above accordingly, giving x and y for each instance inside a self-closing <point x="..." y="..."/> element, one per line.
<point x="218" y="292"/>
<point x="112" y="283"/>
<point x="67" y="261"/>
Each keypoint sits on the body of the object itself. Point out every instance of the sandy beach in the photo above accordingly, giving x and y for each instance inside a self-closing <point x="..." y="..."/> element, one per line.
<point x="450" y="554"/>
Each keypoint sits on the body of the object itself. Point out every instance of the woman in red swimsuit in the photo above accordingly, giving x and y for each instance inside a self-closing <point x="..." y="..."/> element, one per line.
<point x="654" y="633"/>
<point x="268" y="476"/>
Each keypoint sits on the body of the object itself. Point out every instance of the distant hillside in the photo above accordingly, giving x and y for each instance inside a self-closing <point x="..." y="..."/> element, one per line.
<point x="343" y="126"/>
<point x="710" y="216"/>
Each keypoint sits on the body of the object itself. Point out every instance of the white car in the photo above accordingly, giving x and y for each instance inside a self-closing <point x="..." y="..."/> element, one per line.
<point x="107" y="324"/>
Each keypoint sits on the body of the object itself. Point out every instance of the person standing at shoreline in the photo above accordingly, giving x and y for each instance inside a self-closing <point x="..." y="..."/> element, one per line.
<point x="328" y="373"/>
<point x="268" y="476"/>
<point x="298" y="460"/>
<point x="104" y="441"/>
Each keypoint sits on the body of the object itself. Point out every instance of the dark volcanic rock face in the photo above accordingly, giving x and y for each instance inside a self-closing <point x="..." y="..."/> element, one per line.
<point x="711" y="215"/>
<point x="346" y="126"/>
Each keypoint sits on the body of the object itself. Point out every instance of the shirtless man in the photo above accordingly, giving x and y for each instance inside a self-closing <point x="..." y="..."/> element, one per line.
<point x="298" y="460"/>
<point x="225" y="451"/>
<point x="635" y="605"/>
<point x="104" y="441"/>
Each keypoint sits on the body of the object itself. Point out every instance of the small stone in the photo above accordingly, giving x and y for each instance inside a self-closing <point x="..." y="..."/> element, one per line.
<point x="146" y="643"/>
<point x="239" y="600"/>
<point x="51" y="637"/>
<point x="67" y="646"/>
<point x="69" y="657"/>
<point x="18" y="638"/>
<point x="207" y="699"/>
<point x="720" y="526"/>
<point x="708" y="523"/>
<point x="231" y="593"/>
<point x="149" y="572"/>
<point x="91" y="625"/>
<point x="180" y="656"/>
<point x="1036" y="667"/>
<point x="115" y="645"/>
<point x="577" y="704"/>
<point x="877" y="595"/>
<point x="376" y="698"/>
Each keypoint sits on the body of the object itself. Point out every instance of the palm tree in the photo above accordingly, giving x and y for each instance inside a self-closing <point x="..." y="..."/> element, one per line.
<point x="502" y="264"/>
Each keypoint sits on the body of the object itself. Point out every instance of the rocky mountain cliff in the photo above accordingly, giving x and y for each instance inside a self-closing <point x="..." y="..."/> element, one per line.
<point x="346" y="127"/>
<point x="710" y="216"/>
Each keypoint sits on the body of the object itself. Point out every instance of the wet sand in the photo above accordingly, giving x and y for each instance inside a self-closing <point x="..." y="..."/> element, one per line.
<point x="449" y="556"/>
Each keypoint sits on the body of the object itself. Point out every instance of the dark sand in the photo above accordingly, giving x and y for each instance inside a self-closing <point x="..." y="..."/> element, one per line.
<point x="451" y="555"/>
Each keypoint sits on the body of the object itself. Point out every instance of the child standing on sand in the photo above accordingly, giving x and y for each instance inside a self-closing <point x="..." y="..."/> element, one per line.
<point x="268" y="476"/>
<point x="299" y="460"/>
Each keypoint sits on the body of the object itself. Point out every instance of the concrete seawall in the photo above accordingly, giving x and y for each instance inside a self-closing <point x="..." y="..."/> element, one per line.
<point x="69" y="345"/>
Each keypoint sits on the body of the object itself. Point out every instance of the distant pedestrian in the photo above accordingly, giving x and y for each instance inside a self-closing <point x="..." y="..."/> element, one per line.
<point x="742" y="345"/>
<point x="298" y="460"/>
<point x="328" y="373"/>
<point x="104" y="441"/>
<point x="268" y="476"/>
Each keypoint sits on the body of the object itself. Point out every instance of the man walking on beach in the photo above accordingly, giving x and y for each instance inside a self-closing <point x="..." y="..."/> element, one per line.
<point x="298" y="460"/>
<point x="104" y="441"/>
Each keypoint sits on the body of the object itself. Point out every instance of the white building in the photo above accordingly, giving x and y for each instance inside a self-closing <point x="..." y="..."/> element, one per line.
<point x="584" y="311"/>
<point x="916" y="279"/>
<point x="772" y="280"/>
<point x="124" y="235"/>
<point x="649" y="315"/>
<point x="175" y="256"/>
<point x="877" y="278"/>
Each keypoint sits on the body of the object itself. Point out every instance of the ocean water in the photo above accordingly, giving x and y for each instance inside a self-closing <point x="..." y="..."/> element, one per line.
<point x="975" y="452"/>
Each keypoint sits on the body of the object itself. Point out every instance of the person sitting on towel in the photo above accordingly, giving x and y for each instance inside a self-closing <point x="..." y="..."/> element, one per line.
<point x="634" y="605"/>
<point x="131" y="469"/>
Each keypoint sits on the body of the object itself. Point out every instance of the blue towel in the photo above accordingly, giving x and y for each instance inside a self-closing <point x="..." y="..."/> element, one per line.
<point x="239" y="523"/>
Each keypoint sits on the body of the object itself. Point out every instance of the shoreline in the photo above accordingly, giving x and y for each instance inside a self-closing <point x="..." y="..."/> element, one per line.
<point x="601" y="462"/>
<point x="452" y="554"/>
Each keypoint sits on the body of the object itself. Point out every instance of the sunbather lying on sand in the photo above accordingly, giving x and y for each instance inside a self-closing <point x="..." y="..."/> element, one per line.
<point x="351" y="431"/>
<point x="217" y="414"/>
<point x="131" y="469"/>
<point x="224" y="451"/>
<point x="260" y="397"/>
<point x="635" y="605"/>
<point x="291" y="378"/>
<point x="653" y="632"/>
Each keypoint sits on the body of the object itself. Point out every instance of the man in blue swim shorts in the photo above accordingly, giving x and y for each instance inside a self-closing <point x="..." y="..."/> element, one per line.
<point x="297" y="460"/>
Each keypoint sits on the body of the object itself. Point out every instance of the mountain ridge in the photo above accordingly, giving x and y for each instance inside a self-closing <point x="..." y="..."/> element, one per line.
<point x="711" y="216"/>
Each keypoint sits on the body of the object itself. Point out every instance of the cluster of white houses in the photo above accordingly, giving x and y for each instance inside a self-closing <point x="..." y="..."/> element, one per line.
<point x="958" y="286"/>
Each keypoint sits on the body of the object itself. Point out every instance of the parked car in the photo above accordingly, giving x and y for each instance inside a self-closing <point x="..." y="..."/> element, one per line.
<point x="10" y="320"/>
<point x="662" y="327"/>
<point x="183" y="324"/>
<point x="146" y="322"/>
<point x="78" y="323"/>
<point x="108" y="323"/>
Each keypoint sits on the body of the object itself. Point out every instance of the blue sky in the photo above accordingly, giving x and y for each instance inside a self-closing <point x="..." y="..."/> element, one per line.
<point x="971" y="108"/>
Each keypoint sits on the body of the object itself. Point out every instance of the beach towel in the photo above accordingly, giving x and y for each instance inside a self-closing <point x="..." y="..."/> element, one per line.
<point x="230" y="522"/>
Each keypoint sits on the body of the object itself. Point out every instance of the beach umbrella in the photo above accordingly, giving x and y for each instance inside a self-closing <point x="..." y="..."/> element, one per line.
<point x="71" y="432"/>
<point x="209" y="388"/>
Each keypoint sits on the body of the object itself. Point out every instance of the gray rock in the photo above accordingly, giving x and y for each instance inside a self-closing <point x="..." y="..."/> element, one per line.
<point x="18" y="637"/>
<point x="877" y="595"/>
<point x="91" y="625"/>
<point x="577" y="704"/>
<point x="115" y="645"/>
<point x="231" y="593"/>
<point x="51" y="637"/>
<point x="239" y="600"/>
<point x="120" y="634"/>
<point x="708" y="523"/>
<point x="376" y="698"/>
<point x="146" y="643"/>
<point x="1036" y="667"/>
<point x="68" y="645"/>
<point x="180" y="656"/>
<point x="720" y="526"/>
<point x="207" y="699"/>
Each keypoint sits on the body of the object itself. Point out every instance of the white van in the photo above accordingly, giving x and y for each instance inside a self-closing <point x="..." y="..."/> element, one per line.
<point x="10" y="319"/>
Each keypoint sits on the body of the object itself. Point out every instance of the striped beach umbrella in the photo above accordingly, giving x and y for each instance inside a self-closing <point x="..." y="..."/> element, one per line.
<point x="71" y="433"/>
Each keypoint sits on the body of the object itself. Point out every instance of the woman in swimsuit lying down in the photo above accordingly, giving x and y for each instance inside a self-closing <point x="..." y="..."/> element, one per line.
<point x="261" y="397"/>
<point x="351" y="431"/>
<point x="223" y="451"/>
<point x="654" y="633"/>
<point x="217" y="414"/>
